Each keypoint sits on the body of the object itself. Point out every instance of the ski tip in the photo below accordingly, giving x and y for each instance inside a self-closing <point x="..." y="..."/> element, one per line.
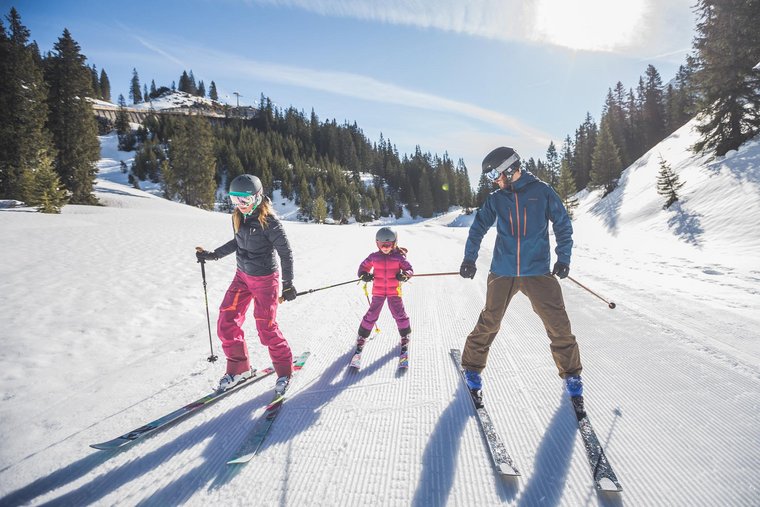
<point x="239" y="461"/>
<point x="105" y="446"/>
<point x="275" y="402"/>
<point x="505" y="469"/>
<point x="607" y="484"/>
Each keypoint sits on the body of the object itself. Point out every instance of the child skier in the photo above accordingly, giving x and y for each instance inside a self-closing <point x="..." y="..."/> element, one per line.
<point x="386" y="268"/>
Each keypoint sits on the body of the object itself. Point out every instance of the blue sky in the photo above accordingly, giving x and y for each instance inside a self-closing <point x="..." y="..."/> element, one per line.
<point x="447" y="75"/>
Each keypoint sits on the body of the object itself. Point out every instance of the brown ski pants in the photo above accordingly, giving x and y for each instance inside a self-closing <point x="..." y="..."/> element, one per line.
<point x="545" y="296"/>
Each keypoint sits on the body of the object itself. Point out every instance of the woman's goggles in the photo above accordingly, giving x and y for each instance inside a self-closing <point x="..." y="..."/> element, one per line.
<point x="246" y="200"/>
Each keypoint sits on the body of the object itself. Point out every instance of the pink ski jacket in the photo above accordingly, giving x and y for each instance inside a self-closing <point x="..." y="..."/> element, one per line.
<point x="385" y="269"/>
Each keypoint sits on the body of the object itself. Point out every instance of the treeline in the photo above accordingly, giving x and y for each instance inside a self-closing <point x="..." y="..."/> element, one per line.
<point x="48" y="132"/>
<point x="49" y="145"/>
<point x="719" y="83"/>
<point x="187" y="84"/>
<point x="328" y="169"/>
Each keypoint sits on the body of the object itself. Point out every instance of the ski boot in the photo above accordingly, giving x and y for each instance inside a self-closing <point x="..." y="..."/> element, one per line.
<point x="229" y="381"/>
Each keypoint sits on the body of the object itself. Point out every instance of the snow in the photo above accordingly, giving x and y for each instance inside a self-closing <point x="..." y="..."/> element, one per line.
<point x="104" y="329"/>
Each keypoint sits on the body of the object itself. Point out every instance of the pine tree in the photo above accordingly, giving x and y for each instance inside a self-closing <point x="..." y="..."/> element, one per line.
<point x="566" y="187"/>
<point x="25" y="143"/>
<point x="585" y="143"/>
<point x="653" y="111"/>
<point x="201" y="92"/>
<point x="189" y="175"/>
<point x="95" y="83"/>
<point x="614" y="110"/>
<point x="105" y="86"/>
<point x="668" y="184"/>
<point x="552" y="165"/>
<point x="304" y="198"/>
<point x="71" y="120"/>
<point x="606" y="161"/>
<point x="123" y="130"/>
<point x="212" y="93"/>
<point x="134" y="88"/>
<point x="43" y="189"/>
<point x="728" y="78"/>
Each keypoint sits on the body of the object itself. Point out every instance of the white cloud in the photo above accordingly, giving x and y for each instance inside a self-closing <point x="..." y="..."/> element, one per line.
<point x="351" y="85"/>
<point x="634" y="27"/>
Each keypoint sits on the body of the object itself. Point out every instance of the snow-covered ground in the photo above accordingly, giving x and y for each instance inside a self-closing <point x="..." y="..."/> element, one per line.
<point x="103" y="328"/>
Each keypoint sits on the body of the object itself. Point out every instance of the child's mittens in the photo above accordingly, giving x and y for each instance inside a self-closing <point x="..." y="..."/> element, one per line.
<point x="366" y="277"/>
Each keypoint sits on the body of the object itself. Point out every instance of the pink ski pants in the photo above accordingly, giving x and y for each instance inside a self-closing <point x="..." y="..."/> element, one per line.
<point x="263" y="291"/>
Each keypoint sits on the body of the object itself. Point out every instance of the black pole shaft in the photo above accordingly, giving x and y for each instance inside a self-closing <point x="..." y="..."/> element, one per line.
<point x="212" y="358"/>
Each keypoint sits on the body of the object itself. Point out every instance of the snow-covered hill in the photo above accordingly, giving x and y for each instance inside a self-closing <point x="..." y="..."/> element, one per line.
<point x="104" y="328"/>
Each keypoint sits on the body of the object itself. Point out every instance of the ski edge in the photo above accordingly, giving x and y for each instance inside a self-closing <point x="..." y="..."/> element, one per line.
<point x="177" y="415"/>
<point x="605" y="479"/>
<point x="255" y="437"/>
<point x="504" y="465"/>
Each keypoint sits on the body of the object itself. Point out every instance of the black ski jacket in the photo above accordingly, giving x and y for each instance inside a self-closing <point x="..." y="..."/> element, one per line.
<point x="255" y="247"/>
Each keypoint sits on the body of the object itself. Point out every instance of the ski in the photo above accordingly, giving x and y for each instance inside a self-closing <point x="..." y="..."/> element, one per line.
<point x="181" y="413"/>
<point x="403" y="360"/>
<point x="356" y="361"/>
<point x="501" y="458"/>
<point x="252" y="442"/>
<point x="604" y="477"/>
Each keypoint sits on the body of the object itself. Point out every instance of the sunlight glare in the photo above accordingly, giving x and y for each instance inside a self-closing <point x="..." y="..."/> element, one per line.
<point x="596" y="25"/>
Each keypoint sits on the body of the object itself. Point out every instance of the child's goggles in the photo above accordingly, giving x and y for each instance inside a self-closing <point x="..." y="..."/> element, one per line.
<point x="384" y="244"/>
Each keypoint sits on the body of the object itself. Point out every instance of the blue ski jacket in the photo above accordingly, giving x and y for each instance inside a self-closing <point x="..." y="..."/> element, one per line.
<point x="522" y="216"/>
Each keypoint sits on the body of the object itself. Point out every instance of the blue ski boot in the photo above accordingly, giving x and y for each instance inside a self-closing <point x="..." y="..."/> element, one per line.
<point x="574" y="386"/>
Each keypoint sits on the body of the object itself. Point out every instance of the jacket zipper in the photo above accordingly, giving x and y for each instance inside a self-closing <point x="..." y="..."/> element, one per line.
<point x="517" y="212"/>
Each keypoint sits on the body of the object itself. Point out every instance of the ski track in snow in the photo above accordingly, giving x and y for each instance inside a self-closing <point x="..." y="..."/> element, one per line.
<point x="674" y="410"/>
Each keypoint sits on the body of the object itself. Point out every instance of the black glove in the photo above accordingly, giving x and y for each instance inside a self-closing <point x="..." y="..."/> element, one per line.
<point x="561" y="269"/>
<point x="203" y="255"/>
<point x="401" y="276"/>
<point x="467" y="269"/>
<point x="288" y="291"/>
<point x="367" y="277"/>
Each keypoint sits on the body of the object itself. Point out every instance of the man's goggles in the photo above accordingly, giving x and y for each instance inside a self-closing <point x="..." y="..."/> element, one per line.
<point x="245" y="200"/>
<point x="508" y="167"/>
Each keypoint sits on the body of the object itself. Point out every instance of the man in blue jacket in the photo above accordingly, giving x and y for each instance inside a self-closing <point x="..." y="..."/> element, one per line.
<point x="522" y="209"/>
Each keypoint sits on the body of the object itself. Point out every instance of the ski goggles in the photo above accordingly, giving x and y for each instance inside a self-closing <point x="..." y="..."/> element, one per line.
<point x="245" y="200"/>
<point x="508" y="167"/>
<point x="385" y="244"/>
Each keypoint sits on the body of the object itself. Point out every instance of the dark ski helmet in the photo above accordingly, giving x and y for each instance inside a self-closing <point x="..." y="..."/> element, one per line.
<point x="386" y="235"/>
<point x="246" y="192"/>
<point x="501" y="160"/>
<point x="246" y="184"/>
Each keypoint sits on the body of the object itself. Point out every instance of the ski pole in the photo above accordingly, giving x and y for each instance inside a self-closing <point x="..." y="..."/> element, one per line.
<point x="366" y="293"/>
<point x="609" y="303"/>
<point x="212" y="358"/>
<point x="281" y="299"/>
<point x="434" y="274"/>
